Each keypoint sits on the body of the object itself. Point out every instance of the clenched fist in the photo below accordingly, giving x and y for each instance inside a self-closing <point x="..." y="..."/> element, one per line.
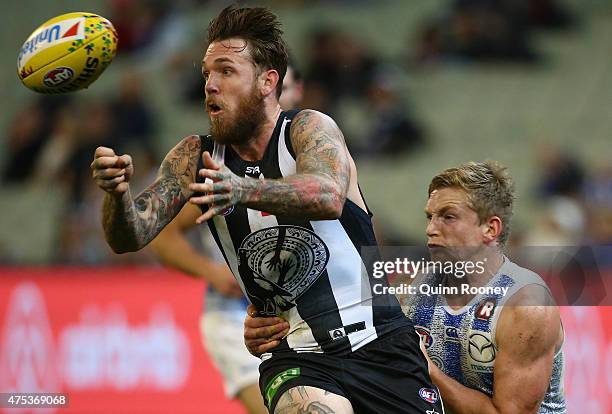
<point x="111" y="171"/>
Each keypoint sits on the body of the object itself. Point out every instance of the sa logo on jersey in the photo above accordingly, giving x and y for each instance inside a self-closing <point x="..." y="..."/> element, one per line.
<point x="252" y="170"/>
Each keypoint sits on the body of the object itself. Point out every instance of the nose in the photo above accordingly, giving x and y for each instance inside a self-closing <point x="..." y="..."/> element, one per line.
<point x="432" y="228"/>
<point x="211" y="85"/>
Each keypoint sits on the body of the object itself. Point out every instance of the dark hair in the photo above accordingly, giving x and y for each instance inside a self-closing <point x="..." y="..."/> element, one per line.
<point x="262" y="32"/>
<point x="489" y="188"/>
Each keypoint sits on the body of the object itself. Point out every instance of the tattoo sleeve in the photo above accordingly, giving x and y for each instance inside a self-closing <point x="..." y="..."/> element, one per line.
<point x="318" y="189"/>
<point x="130" y="223"/>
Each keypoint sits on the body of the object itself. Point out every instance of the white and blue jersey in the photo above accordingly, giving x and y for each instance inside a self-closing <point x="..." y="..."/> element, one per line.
<point x="462" y="342"/>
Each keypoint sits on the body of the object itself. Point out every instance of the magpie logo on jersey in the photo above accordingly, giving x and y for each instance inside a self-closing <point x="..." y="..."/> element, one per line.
<point x="278" y="264"/>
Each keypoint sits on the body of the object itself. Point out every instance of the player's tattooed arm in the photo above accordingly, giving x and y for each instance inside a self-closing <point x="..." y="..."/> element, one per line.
<point x="131" y="223"/>
<point x="317" y="191"/>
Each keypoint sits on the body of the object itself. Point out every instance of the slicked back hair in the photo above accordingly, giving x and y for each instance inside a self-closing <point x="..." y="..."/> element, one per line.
<point x="262" y="31"/>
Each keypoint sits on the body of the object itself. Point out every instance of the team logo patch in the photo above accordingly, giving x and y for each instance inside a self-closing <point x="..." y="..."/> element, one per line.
<point x="429" y="394"/>
<point x="343" y="331"/>
<point x="485" y="310"/>
<point x="228" y="211"/>
<point x="278" y="264"/>
<point x="451" y="333"/>
<point x="425" y="335"/>
<point x="58" y="76"/>
<point x="481" y="348"/>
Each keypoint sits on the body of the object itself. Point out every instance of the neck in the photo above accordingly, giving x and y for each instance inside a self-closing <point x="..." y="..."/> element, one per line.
<point x="490" y="259"/>
<point x="254" y="148"/>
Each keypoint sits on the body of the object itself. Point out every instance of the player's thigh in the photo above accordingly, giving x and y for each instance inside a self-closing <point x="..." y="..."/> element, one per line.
<point x="306" y="399"/>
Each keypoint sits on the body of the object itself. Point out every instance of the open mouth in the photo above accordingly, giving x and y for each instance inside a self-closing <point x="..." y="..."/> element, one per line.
<point x="214" y="109"/>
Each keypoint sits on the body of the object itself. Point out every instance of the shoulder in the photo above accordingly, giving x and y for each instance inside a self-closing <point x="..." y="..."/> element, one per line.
<point x="529" y="322"/>
<point x="309" y="125"/>
<point x="308" y="119"/>
<point x="522" y="275"/>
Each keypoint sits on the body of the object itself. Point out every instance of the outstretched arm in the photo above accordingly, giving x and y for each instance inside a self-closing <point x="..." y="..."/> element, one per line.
<point x="130" y="223"/>
<point x="317" y="191"/>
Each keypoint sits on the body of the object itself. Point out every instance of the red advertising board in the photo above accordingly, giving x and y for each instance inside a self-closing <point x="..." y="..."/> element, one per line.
<point x="115" y="340"/>
<point x="126" y="340"/>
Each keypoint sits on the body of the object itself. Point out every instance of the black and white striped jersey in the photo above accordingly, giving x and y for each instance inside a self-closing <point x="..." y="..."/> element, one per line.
<point x="310" y="272"/>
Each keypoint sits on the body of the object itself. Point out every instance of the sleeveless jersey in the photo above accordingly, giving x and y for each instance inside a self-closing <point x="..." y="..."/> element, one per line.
<point x="312" y="273"/>
<point x="462" y="342"/>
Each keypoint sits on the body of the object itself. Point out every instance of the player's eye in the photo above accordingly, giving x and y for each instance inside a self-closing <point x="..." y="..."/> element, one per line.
<point x="205" y="75"/>
<point x="227" y="71"/>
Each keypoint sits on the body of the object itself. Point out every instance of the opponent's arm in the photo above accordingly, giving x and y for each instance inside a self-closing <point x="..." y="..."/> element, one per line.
<point x="317" y="190"/>
<point x="174" y="250"/>
<point x="526" y="338"/>
<point x="130" y="223"/>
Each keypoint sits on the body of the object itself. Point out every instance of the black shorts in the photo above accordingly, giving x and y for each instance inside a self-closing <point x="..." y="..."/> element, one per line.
<point x="388" y="375"/>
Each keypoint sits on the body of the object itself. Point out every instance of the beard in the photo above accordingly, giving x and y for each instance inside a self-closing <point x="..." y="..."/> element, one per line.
<point x="248" y="117"/>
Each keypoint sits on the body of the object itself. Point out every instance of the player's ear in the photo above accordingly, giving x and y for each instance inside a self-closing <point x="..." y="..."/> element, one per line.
<point x="492" y="229"/>
<point x="269" y="79"/>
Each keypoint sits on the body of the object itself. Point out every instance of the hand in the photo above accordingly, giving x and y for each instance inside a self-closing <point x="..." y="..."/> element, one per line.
<point x="225" y="191"/>
<point x="430" y="364"/>
<point x="263" y="334"/>
<point x="110" y="171"/>
<point x="224" y="282"/>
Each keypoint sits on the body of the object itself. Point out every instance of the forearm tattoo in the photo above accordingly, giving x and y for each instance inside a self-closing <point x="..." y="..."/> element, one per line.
<point x="322" y="179"/>
<point x="132" y="223"/>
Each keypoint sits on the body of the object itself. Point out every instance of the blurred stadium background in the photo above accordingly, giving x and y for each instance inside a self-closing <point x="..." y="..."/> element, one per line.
<point x="416" y="86"/>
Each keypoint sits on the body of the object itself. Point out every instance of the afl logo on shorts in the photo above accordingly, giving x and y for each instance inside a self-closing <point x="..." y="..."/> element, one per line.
<point x="429" y="394"/>
<point x="278" y="264"/>
<point x="58" y="76"/>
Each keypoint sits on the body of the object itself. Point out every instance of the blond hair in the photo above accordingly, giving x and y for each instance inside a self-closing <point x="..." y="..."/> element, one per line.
<point x="489" y="188"/>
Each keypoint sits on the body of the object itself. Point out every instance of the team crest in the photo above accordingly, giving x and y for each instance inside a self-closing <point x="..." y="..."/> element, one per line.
<point x="278" y="264"/>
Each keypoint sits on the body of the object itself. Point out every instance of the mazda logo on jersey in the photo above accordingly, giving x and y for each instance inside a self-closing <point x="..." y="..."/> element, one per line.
<point x="278" y="264"/>
<point x="481" y="348"/>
